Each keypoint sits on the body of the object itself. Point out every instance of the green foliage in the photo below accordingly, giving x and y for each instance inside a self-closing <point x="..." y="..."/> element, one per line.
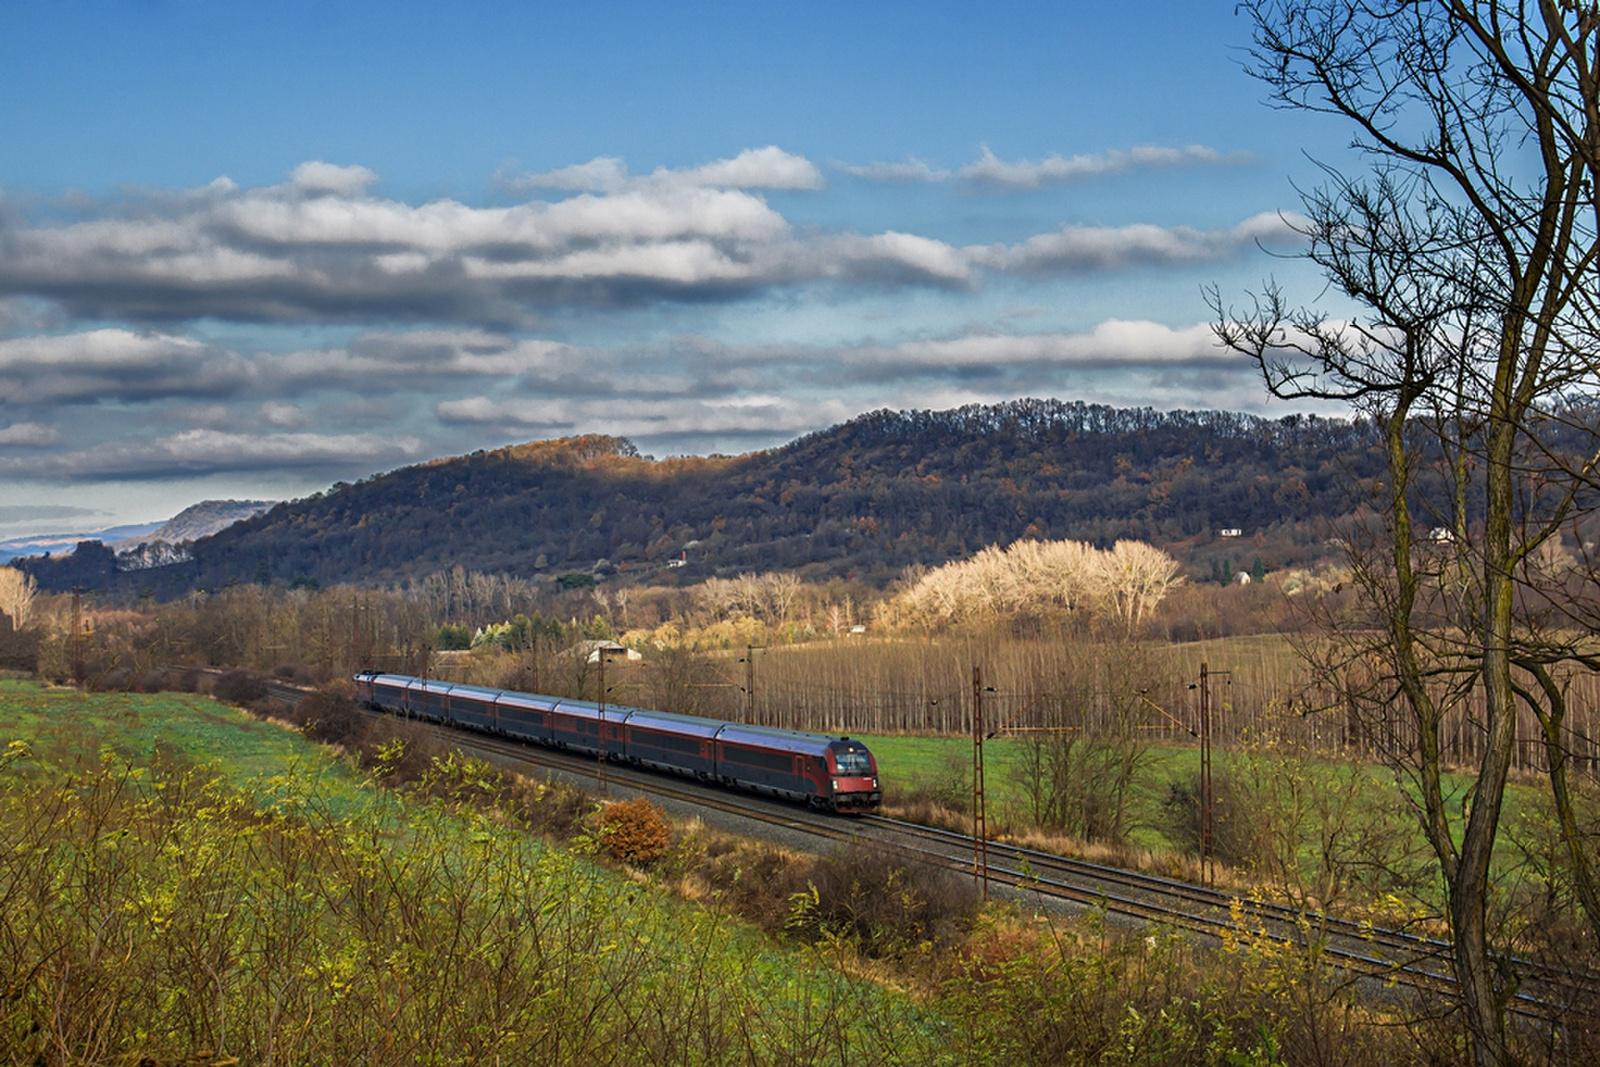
<point x="452" y="637"/>
<point x="888" y="904"/>
<point x="576" y="580"/>
<point x="151" y="909"/>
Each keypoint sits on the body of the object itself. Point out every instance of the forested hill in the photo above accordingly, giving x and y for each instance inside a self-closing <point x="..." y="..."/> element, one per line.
<point x="866" y="498"/>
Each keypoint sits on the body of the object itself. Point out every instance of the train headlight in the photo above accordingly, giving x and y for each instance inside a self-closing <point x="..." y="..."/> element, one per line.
<point x="874" y="783"/>
<point x="836" y="785"/>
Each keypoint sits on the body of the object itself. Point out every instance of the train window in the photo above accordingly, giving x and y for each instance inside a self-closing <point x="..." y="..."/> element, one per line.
<point x="751" y="758"/>
<point x="852" y="763"/>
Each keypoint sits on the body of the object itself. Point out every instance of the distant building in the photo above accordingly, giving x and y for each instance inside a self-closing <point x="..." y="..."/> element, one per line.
<point x="1232" y="531"/>
<point x="591" y="651"/>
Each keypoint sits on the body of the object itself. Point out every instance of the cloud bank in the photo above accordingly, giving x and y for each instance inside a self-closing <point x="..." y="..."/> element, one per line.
<point x="990" y="173"/>
<point x="323" y="247"/>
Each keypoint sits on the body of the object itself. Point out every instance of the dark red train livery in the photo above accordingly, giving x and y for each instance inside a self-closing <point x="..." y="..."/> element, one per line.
<point x="835" y="773"/>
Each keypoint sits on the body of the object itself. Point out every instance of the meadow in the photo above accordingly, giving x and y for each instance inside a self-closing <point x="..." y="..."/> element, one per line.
<point x="178" y="878"/>
<point x="182" y="882"/>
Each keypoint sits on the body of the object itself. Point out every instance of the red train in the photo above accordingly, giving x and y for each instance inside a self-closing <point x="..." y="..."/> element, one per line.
<point x="835" y="773"/>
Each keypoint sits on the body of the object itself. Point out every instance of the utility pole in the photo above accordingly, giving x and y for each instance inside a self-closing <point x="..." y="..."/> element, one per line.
<point x="980" y="823"/>
<point x="1208" y="850"/>
<point x="78" y="672"/>
<point x="750" y="681"/>
<point x="600" y="725"/>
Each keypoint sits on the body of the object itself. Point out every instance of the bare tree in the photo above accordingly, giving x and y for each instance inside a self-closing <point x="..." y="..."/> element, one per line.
<point x="16" y="596"/>
<point x="1039" y="579"/>
<point x="1472" y="248"/>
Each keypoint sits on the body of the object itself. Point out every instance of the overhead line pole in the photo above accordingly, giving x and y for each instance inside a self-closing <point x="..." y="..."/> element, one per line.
<point x="600" y="726"/>
<point x="980" y="822"/>
<point x="1208" y="798"/>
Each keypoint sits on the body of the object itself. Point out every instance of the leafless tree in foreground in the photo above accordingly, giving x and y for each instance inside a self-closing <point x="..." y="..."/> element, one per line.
<point x="1472" y="249"/>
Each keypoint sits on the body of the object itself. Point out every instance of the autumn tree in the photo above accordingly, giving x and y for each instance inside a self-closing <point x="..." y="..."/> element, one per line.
<point x="1470" y="249"/>
<point x="17" y="591"/>
<point x="1040" y="579"/>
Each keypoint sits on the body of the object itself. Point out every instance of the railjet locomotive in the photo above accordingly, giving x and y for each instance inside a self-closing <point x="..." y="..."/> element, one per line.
<point x="835" y="773"/>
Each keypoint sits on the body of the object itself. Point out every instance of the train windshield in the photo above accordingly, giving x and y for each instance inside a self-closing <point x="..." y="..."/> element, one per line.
<point x="852" y="762"/>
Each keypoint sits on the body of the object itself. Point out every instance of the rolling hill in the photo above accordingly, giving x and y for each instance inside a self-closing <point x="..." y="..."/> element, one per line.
<point x="866" y="498"/>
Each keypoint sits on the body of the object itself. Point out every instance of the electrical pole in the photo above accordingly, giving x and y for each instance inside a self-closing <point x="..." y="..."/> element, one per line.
<point x="78" y="673"/>
<point x="600" y="725"/>
<point x="1208" y="843"/>
<point x="980" y="823"/>
<point x="750" y="682"/>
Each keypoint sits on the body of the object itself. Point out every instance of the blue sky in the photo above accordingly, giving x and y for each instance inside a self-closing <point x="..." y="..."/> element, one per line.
<point x="248" y="250"/>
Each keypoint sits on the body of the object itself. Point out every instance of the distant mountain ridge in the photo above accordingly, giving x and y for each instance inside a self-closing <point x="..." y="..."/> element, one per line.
<point x="864" y="499"/>
<point x="204" y="519"/>
<point x="34" y="544"/>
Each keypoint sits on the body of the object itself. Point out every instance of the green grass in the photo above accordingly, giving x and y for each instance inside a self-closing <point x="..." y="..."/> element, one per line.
<point x="69" y="728"/>
<point x="263" y="899"/>
<point x="943" y="766"/>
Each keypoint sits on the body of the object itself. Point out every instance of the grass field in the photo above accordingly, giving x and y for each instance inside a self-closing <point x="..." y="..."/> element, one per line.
<point x="1305" y="789"/>
<point x="178" y="877"/>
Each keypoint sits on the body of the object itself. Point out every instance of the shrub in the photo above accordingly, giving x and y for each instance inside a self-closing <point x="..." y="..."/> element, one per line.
<point x="634" y="831"/>
<point x="1233" y="836"/>
<point x="239" y="687"/>
<point x="452" y="637"/>
<point x="330" y="715"/>
<point x="550" y="806"/>
<point x="886" y="902"/>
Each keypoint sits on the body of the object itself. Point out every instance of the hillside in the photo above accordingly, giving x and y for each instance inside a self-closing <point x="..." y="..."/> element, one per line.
<point x="204" y="519"/>
<point x="866" y="498"/>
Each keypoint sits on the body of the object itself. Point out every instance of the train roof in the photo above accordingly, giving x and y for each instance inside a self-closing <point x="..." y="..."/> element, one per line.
<point x="771" y="737"/>
<point x="683" y="724"/>
<point x="403" y="681"/>
<point x="475" y="690"/>
<point x="514" y="699"/>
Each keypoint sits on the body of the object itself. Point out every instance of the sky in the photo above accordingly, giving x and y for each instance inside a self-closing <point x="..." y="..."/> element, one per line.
<point x="247" y="251"/>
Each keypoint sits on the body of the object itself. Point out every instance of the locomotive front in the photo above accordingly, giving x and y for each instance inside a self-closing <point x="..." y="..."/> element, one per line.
<point x="854" y="776"/>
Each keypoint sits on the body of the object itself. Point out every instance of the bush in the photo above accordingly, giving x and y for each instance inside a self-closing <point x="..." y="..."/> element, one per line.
<point x="1233" y="837"/>
<point x="240" y="687"/>
<point x="888" y="903"/>
<point x="330" y="715"/>
<point x="634" y="831"/>
<point x="452" y="637"/>
<point x="551" y="806"/>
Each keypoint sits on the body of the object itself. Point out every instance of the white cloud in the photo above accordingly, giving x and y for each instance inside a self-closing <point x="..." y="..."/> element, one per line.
<point x="754" y="168"/>
<point x="1086" y="248"/>
<point x="1114" y="342"/>
<point x="601" y="174"/>
<point x="911" y="169"/>
<point x="115" y="364"/>
<point x="29" y="434"/>
<point x="192" y="452"/>
<point x="316" y="176"/>
<point x="990" y="170"/>
<point x="279" y="254"/>
<point x="284" y="416"/>
<point x="757" y="415"/>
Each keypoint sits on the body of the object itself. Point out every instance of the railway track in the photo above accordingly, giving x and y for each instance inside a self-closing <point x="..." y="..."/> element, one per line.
<point x="1393" y="957"/>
